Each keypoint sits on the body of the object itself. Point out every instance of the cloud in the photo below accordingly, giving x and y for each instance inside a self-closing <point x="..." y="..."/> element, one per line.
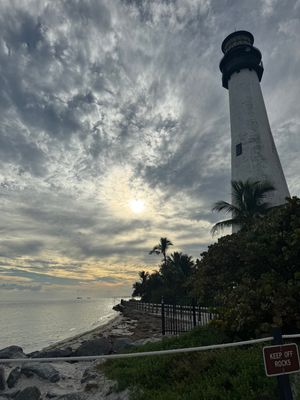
<point x="13" y="286"/>
<point x="106" y="102"/>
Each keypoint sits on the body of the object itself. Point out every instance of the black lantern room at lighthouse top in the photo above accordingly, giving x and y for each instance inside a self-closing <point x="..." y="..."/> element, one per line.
<point x="239" y="53"/>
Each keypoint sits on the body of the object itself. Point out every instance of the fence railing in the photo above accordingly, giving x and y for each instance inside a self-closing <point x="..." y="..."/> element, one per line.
<point x="176" y="318"/>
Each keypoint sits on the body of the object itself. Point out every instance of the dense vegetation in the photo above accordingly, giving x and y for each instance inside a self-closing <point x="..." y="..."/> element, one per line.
<point x="254" y="275"/>
<point x="254" y="278"/>
<point x="171" y="281"/>
<point x="228" y="374"/>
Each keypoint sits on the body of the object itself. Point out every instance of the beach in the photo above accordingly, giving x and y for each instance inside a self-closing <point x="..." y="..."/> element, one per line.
<point x="79" y="380"/>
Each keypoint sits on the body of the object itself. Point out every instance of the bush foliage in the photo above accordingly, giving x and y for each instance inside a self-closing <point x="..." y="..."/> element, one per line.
<point x="255" y="274"/>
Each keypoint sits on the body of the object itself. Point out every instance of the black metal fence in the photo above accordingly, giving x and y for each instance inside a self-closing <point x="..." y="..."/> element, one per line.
<point x="177" y="318"/>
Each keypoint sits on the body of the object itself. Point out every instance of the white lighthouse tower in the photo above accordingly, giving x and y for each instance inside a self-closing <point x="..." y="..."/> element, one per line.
<point x="253" y="152"/>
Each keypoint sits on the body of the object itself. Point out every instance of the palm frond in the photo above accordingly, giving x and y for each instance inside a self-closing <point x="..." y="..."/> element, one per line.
<point x="156" y="249"/>
<point x="224" y="206"/>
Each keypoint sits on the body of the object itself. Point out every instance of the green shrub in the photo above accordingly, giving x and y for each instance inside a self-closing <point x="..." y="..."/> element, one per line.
<point x="255" y="274"/>
<point x="227" y="374"/>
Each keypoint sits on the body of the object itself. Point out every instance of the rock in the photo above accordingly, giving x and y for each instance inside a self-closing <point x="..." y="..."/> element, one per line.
<point x="13" y="377"/>
<point x="94" y="347"/>
<point x="91" y="385"/>
<point x="121" y="344"/>
<point x="44" y="371"/>
<point x="72" y="396"/>
<point x="12" y="352"/>
<point x="2" y="379"/>
<point x="29" y="393"/>
<point x="13" y="394"/>
<point x="67" y="352"/>
<point x="89" y="374"/>
<point x="52" y="395"/>
<point x="141" y="342"/>
<point x="118" y="307"/>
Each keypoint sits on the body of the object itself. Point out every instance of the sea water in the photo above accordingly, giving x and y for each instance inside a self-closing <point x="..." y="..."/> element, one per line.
<point x="37" y="324"/>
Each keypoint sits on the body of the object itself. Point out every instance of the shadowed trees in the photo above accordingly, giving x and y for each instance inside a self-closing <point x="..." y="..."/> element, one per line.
<point x="249" y="203"/>
<point x="172" y="280"/>
<point x="139" y="288"/>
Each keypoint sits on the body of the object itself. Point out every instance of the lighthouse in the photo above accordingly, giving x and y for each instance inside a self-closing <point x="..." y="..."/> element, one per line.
<point x="253" y="151"/>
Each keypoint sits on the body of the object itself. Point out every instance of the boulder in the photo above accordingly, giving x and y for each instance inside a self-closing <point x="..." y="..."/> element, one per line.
<point x="91" y="385"/>
<point x="44" y="371"/>
<point x="118" y="307"/>
<point x="29" y="393"/>
<point x="13" y="377"/>
<point x="94" y="347"/>
<point x="121" y="344"/>
<point x="72" y="396"/>
<point x="12" y="352"/>
<point x="2" y="379"/>
<point x="67" y="352"/>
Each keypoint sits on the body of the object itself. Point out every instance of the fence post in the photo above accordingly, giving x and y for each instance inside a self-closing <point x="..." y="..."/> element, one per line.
<point x="283" y="380"/>
<point x="163" y="327"/>
<point x="174" y="319"/>
<point x="194" y="312"/>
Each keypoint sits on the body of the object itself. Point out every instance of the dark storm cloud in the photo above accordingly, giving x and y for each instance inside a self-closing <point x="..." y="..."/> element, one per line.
<point x="14" y="248"/>
<point x="90" y="86"/>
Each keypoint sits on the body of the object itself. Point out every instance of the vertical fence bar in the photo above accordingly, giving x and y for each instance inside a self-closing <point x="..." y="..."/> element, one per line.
<point x="194" y="313"/>
<point x="163" y="327"/>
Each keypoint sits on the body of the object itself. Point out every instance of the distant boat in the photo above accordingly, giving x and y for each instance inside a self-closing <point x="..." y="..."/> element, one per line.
<point x="78" y="298"/>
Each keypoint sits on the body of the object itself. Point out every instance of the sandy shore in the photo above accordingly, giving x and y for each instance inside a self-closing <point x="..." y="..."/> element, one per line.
<point x="82" y="380"/>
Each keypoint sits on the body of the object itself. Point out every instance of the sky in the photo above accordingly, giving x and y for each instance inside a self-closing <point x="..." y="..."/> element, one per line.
<point x="115" y="131"/>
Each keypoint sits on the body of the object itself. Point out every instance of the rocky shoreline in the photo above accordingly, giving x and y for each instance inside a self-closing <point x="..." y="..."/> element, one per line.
<point x="76" y="380"/>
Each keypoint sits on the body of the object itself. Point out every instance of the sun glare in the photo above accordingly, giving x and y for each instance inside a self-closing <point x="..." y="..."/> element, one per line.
<point x="136" y="206"/>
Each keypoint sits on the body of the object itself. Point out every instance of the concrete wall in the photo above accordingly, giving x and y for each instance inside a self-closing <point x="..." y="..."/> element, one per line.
<point x="250" y="127"/>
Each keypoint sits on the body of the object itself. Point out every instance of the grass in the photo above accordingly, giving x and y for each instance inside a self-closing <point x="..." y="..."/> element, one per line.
<point x="227" y="374"/>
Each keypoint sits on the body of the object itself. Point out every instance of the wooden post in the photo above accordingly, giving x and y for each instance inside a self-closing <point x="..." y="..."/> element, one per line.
<point x="283" y="380"/>
<point x="163" y="327"/>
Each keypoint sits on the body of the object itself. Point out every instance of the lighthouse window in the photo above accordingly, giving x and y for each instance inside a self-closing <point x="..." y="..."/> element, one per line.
<point x="238" y="149"/>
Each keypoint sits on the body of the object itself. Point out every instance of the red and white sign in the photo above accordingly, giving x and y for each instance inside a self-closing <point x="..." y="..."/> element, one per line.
<point x="281" y="359"/>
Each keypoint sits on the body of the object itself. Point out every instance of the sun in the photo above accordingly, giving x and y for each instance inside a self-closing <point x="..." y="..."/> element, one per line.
<point x="136" y="206"/>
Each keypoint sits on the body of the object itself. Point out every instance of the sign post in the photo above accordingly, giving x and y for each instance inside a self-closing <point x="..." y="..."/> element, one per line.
<point x="280" y="360"/>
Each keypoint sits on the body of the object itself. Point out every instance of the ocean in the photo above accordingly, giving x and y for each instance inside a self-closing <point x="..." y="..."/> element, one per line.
<point x="37" y="324"/>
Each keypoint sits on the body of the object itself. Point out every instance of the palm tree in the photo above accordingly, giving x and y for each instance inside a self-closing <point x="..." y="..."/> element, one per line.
<point x="248" y="204"/>
<point x="139" y="288"/>
<point x="162" y="248"/>
<point x="181" y="262"/>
